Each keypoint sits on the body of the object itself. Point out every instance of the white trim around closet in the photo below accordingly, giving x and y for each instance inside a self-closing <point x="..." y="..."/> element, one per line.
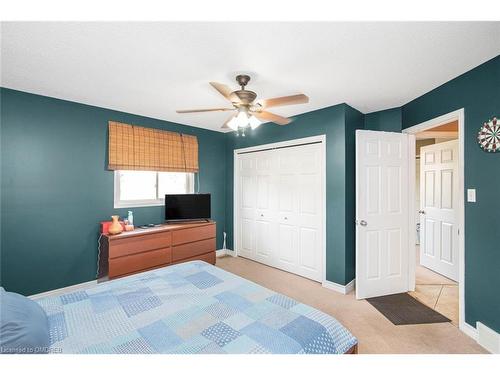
<point x="269" y="146"/>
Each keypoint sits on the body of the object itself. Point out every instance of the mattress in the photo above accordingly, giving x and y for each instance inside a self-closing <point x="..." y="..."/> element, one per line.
<point x="191" y="307"/>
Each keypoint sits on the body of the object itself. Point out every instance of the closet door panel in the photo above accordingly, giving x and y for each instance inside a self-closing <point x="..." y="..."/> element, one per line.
<point x="310" y="212"/>
<point x="287" y="247"/>
<point x="263" y="246"/>
<point x="247" y="206"/>
<point x="264" y="251"/>
<point x="308" y="242"/>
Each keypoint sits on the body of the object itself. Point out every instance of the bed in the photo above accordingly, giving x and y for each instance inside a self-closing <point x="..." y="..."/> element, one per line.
<point x="191" y="307"/>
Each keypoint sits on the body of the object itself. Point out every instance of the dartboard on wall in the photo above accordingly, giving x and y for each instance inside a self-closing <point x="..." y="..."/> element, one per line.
<point x="489" y="136"/>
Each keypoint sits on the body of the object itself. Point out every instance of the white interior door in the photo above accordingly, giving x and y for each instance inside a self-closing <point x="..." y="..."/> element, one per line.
<point x="382" y="213"/>
<point x="439" y="208"/>
<point x="284" y="210"/>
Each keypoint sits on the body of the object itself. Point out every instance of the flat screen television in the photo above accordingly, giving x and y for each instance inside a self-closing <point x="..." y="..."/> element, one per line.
<point x="187" y="206"/>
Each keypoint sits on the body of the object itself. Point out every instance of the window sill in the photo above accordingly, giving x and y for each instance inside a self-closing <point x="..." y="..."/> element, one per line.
<point x="138" y="204"/>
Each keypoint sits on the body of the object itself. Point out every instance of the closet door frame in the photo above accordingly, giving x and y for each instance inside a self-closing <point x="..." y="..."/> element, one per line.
<point x="319" y="139"/>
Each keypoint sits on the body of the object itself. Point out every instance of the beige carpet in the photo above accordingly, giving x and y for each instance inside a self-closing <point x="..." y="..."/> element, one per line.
<point x="374" y="332"/>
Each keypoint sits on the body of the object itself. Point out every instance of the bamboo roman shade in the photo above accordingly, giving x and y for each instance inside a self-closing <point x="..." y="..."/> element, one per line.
<point x="144" y="149"/>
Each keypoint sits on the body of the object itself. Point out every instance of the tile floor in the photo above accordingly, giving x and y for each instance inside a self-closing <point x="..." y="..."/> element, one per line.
<point x="436" y="291"/>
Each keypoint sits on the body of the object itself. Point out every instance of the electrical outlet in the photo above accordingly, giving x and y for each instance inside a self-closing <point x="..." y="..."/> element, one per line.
<point x="471" y="195"/>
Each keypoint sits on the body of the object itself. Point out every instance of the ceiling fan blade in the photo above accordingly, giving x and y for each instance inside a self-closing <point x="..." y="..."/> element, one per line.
<point x="265" y="116"/>
<point x="204" y="110"/>
<point x="223" y="89"/>
<point x="284" y="100"/>
<point x="225" y="125"/>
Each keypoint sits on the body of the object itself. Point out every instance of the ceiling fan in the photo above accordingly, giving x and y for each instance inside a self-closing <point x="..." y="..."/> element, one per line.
<point x="249" y="113"/>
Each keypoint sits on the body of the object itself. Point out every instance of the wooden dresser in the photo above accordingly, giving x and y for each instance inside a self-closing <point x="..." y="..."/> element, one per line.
<point x="144" y="249"/>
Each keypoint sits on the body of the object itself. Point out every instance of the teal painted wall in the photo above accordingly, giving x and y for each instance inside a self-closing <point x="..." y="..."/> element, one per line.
<point x="55" y="188"/>
<point x="354" y="121"/>
<point x="388" y="120"/>
<point x="335" y="122"/>
<point x="477" y="91"/>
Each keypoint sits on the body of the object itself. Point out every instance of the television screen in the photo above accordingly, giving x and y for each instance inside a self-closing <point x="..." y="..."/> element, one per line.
<point x="187" y="206"/>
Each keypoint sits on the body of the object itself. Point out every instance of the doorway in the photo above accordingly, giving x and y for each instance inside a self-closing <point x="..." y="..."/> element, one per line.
<point x="387" y="260"/>
<point x="438" y="215"/>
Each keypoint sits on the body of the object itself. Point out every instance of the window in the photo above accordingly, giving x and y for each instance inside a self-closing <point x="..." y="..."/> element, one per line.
<point x="145" y="188"/>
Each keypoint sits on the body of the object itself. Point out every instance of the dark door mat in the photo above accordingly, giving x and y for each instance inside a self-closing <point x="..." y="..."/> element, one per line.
<point x="403" y="309"/>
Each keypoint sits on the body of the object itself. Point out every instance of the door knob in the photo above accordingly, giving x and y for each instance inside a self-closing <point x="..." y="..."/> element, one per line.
<point x="261" y="215"/>
<point x="421" y="212"/>
<point x="363" y="223"/>
<point x="286" y="218"/>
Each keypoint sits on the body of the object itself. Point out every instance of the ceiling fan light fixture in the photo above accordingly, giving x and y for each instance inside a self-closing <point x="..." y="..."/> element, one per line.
<point x="254" y="122"/>
<point x="233" y="123"/>
<point x="242" y="119"/>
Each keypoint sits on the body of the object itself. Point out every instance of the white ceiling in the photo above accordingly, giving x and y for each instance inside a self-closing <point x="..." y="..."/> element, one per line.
<point x="152" y="69"/>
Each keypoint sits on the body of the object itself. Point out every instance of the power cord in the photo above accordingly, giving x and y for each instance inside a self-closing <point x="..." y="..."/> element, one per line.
<point x="98" y="255"/>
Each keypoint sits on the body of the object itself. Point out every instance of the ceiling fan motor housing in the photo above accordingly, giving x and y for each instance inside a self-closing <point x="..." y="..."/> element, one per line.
<point x="245" y="96"/>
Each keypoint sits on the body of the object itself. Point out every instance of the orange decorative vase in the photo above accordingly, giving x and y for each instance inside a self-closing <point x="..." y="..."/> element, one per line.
<point x="115" y="227"/>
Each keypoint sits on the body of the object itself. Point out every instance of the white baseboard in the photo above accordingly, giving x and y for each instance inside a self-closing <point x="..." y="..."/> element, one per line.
<point x="66" y="289"/>
<point x="483" y="335"/>
<point x="344" y="289"/>
<point x="488" y="338"/>
<point x="223" y="252"/>
<point x="469" y="330"/>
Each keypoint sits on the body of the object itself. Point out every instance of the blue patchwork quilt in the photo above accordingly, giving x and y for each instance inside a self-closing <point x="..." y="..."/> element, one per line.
<point x="191" y="307"/>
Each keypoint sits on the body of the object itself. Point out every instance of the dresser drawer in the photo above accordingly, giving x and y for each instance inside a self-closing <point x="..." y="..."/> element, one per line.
<point x="208" y="257"/>
<point x="193" y="234"/>
<point x="127" y="246"/>
<point x="138" y="262"/>
<point x="191" y="249"/>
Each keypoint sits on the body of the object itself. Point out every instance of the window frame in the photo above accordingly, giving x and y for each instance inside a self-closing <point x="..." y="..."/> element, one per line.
<point x="118" y="203"/>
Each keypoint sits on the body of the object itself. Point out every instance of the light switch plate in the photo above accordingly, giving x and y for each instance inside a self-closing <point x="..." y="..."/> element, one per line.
<point x="471" y="195"/>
